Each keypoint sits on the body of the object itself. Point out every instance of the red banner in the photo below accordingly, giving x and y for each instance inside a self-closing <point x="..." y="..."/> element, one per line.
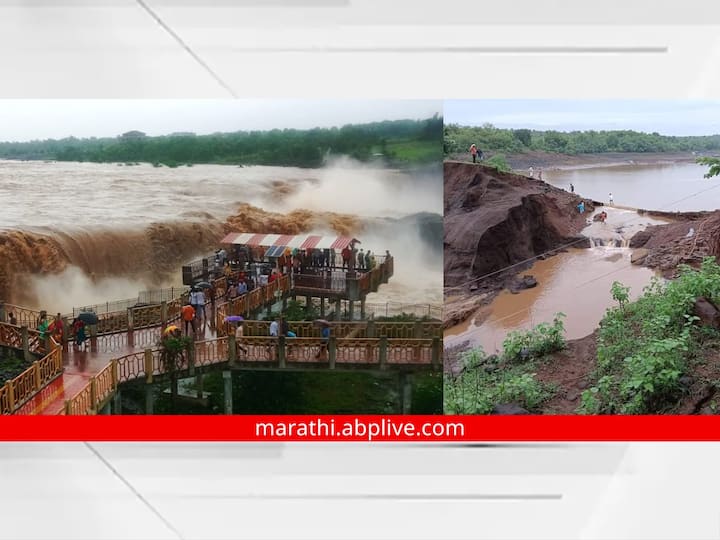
<point x="360" y="428"/>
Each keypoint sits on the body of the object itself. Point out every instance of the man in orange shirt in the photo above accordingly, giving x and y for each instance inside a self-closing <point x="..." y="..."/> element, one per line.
<point x="188" y="316"/>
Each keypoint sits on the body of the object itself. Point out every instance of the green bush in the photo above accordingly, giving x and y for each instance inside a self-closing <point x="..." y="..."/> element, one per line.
<point x="499" y="162"/>
<point x="543" y="339"/>
<point x="486" y="381"/>
<point x="645" y="346"/>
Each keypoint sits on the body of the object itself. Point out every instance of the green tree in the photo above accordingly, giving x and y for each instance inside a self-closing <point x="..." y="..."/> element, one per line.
<point x="713" y="164"/>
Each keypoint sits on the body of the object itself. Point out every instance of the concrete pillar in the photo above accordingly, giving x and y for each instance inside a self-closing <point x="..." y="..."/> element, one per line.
<point x="117" y="402"/>
<point x="383" y="352"/>
<point x="148" y="399"/>
<point x="332" y="352"/>
<point x="436" y="353"/>
<point x="362" y="308"/>
<point x="308" y="301"/>
<point x="405" y="393"/>
<point x="232" y="349"/>
<point x="227" y="384"/>
<point x="322" y="307"/>
<point x="199" y="384"/>
<point x="338" y="309"/>
<point x="281" y="352"/>
<point x="352" y="310"/>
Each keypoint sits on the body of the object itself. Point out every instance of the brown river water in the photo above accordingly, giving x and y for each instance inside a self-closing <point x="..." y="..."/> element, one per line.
<point x="576" y="283"/>
<point x="80" y="233"/>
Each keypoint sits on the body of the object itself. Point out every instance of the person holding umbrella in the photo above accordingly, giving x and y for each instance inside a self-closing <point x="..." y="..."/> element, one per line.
<point x="79" y="331"/>
<point x="239" y="335"/>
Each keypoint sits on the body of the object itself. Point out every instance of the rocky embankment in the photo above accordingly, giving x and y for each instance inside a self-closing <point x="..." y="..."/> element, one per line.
<point x="495" y="220"/>
<point x="687" y="239"/>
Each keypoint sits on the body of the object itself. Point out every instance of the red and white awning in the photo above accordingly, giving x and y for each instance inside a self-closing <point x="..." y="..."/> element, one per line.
<point x="302" y="241"/>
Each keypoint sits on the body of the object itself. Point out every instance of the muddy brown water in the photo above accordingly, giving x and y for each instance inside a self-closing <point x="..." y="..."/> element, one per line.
<point x="576" y="283"/>
<point x="96" y="210"/>
<point x="668" y="187"/>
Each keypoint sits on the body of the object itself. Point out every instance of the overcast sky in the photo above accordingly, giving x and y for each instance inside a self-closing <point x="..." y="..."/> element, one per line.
<point x="22" y="120"/>
<point x="665" y="117"/>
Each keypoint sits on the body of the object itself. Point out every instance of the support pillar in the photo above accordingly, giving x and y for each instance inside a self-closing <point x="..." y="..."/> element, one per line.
<point x="227" y="384"/>
<point x="362" y="308"/>
<point x="352" y="310"/>
<point x="308" y="301"/>
<point x="405" y="393"/>
<point x="322" y="307"/>
<point x="338" y="309"/>
<point x="149" y="399"/>
<point x="199" y="385"/>
<point x="117" y="403"/>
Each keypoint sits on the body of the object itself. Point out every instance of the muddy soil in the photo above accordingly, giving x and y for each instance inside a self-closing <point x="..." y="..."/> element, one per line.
<point x="499" y="223"/>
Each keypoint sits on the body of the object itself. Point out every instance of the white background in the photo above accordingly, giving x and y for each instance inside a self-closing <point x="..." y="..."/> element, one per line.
<point x="362" y="49"/>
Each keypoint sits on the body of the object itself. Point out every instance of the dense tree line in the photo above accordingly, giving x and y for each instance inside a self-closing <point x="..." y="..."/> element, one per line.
<point x="398" y="141"/>
<point x="458" y="139"/>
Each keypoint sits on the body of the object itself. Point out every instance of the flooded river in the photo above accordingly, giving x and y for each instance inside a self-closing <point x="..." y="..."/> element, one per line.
<point x="669" y="187"/>
<point x="83" y="233"/>
<point x="576" y="283"/>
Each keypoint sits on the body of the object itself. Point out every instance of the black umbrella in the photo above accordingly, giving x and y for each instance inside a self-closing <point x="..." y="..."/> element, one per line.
<point x="88" y="317"/>
<point x="202" y="285"/>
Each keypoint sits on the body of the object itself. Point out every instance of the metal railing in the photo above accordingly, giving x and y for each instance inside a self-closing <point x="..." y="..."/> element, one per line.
<point x="21" y="389"/>
<point x="378" y="353"/>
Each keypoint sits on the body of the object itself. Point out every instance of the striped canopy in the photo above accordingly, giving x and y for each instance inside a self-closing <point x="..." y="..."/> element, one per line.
<point x="302" y="241"/>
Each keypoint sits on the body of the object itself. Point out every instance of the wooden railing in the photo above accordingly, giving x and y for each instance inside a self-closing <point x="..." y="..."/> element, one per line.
<point x="19" y="390"/>
<point x="273" y="352"/>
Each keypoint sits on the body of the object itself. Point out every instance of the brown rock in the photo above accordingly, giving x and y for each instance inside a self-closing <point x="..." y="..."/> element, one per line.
<point x="707" y="312"/>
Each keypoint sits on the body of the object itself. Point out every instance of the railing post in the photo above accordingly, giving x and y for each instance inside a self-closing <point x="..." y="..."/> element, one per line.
<point x="148" y="366"/>
<point x="232" y="349"/>
<point x="332" y="351"/>
<point x="114" y="370"/>
<point x="11" y="395"/>
<point x="163" y="314"/>
<point x="131" y="319"/>
<point x="26" y="344"/>
<point x="436" y="350"/>
<point x="93" y="394"/>
<point x="281" y="352"/>
<point x="37" y="375"/>
<point x="383" y="352"/>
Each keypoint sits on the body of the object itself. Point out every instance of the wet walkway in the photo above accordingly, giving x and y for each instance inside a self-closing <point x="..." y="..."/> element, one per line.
<point x="82" y="363"/>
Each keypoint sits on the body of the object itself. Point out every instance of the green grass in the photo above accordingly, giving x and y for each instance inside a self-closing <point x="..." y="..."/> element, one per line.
<point x="412" y="151"/>
<point x="646" y="346"/>
<point x="487" y="381"/>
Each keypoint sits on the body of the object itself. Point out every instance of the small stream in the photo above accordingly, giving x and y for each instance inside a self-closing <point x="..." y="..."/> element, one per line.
<point x="576" y="283"/>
